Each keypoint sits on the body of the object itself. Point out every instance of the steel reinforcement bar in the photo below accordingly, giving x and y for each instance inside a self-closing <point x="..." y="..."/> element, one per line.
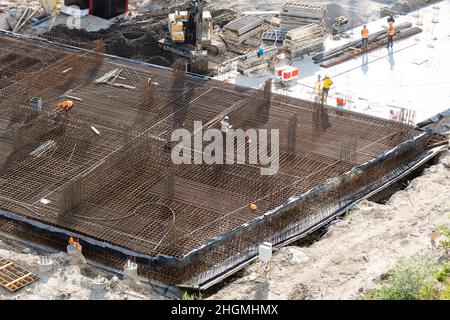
<point x="294" y="217"/>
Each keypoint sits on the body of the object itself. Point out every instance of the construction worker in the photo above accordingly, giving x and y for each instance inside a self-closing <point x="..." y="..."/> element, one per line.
<point x="260" y="52"/>
<point x="327" y="82"/>
<point x="433" y="237"/>
<point x="225" y="125"/>
<point x="365" y="37"/>
<point x="391" y="32"/>
<point x="74" y="243"/>
<point x="64" y="107"/>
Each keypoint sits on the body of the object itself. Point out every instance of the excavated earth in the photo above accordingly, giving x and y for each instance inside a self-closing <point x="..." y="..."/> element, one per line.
<point x="136" y="37"/>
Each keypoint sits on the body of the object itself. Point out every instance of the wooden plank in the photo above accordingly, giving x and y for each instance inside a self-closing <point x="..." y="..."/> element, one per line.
<point x="29" y="274"/>
<point x="13" y="277"/>
<point x="6" y="265"/>
<point x="121" y="85"/>
<point x="74" y="98"/>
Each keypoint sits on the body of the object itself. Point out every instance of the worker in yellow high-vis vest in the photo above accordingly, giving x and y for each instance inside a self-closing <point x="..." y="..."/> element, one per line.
<point x="327" y="82"/>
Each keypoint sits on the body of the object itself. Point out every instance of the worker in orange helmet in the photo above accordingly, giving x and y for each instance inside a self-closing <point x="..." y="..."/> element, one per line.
<point x="391" y="32"/>
<point x="365" y="37"/>
<point x="64" y="107"/>
<point x="75" y="243"/>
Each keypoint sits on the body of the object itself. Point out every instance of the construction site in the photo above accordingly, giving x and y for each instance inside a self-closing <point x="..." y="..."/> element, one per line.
<point x="86" y="140"/>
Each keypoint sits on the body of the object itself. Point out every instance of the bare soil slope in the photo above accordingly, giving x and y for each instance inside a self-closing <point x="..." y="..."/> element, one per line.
<point x="357" y="251"/>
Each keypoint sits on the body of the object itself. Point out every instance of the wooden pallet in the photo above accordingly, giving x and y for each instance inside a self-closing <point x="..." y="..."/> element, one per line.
<point x="437" y="139"/>
<point x="14" y="277"/>
<point x="243" y="25"/>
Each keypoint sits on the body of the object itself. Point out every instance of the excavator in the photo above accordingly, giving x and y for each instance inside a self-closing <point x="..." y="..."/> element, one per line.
<point x="189" y="31"/>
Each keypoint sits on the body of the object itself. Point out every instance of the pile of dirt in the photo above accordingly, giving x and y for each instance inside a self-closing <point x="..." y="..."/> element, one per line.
<point x="137" y="36"/>
<point x="136" y="46"/>
<point x="134" y="39"/>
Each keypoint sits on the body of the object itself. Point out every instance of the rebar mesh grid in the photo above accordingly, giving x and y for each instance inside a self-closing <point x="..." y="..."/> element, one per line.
<point x="105" y="172"/>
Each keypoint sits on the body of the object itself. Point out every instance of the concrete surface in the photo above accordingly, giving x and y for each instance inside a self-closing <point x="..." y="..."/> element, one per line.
<point x="414" y="76"/>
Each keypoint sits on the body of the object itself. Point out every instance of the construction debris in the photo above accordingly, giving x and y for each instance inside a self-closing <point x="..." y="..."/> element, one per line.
<point x="254" y="61"/>
<point x="302" y="40"/>
<point x="22" y="17"/>
<point x="16" y="18"/>
<point x="95" y="130"/>
<point x="274" y="35"/>
<point x="109" y="77"/>
<point x="10" y="19"/>
<point x="298" y="13"/>
<point x="121" y="85"/>
<point x="340" y="25"/>
<point x="241" y="29"/>
<point x="41" y="150"/>
<point x="67" y="70"/>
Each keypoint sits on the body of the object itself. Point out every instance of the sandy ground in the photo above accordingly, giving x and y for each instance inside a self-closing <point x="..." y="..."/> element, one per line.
<point x="358" y="250"/>
<point x="67" y="282"/>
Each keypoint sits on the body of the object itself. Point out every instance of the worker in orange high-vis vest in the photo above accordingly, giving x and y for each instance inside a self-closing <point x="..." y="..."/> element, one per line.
<point x="391" y="32"/>
<point x="75" y="243"/>
<point x="64" y="107"/>
<point x="365" y="37"/>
